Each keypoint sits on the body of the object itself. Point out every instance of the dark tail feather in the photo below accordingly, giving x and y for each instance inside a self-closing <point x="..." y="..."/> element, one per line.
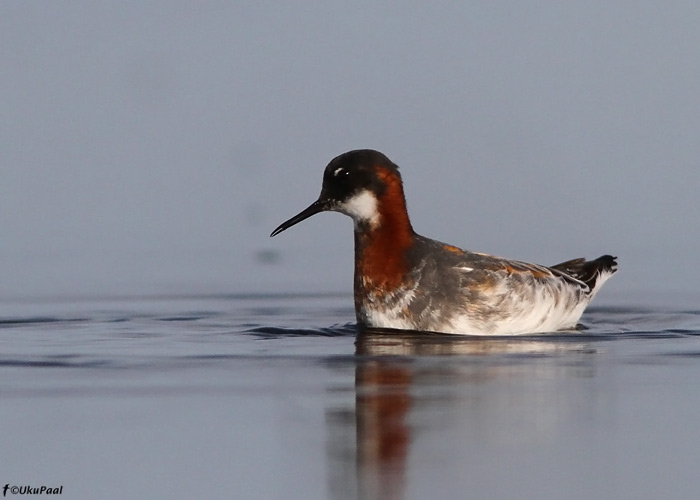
<point x="588" y="271"/>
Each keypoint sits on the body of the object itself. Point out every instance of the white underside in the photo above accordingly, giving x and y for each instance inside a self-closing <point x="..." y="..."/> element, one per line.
<point x="544" y="310"/>
<point x="541" y="316"/>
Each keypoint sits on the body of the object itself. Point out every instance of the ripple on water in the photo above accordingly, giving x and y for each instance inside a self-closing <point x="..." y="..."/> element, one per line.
<point x="136" y="332"/>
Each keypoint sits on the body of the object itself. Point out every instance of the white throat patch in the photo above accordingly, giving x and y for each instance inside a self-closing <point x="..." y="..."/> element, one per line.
<point x="362" y="208"/>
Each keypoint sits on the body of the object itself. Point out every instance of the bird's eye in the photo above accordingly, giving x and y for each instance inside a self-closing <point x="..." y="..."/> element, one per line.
<point x="342" y="175"/>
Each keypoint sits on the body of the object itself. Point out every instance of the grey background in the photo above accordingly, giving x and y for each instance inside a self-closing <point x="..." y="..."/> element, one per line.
<point x="151" y="147"/>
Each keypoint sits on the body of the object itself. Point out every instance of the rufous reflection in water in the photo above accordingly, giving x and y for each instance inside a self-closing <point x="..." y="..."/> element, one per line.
<point x="386" y="379"/>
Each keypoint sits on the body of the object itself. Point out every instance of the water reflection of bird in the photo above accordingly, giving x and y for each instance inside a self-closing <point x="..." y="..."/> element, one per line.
<point x="397" y="384"/>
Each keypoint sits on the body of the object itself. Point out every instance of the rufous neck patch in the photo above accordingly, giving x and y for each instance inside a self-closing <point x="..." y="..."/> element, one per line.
<point x="381" y="252"/>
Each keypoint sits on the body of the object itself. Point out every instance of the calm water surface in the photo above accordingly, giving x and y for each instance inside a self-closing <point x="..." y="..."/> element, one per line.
<point x="276" y="397"/>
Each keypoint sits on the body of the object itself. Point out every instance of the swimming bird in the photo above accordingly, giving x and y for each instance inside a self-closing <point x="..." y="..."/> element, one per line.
<point x="409" y="282"/>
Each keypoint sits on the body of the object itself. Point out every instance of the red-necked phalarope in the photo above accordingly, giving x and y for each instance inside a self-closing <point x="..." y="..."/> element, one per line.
<point x="409" y="282"/>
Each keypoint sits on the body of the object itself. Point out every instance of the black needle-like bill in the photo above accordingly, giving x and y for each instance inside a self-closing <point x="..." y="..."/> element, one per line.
<point x="316" y="207"/>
